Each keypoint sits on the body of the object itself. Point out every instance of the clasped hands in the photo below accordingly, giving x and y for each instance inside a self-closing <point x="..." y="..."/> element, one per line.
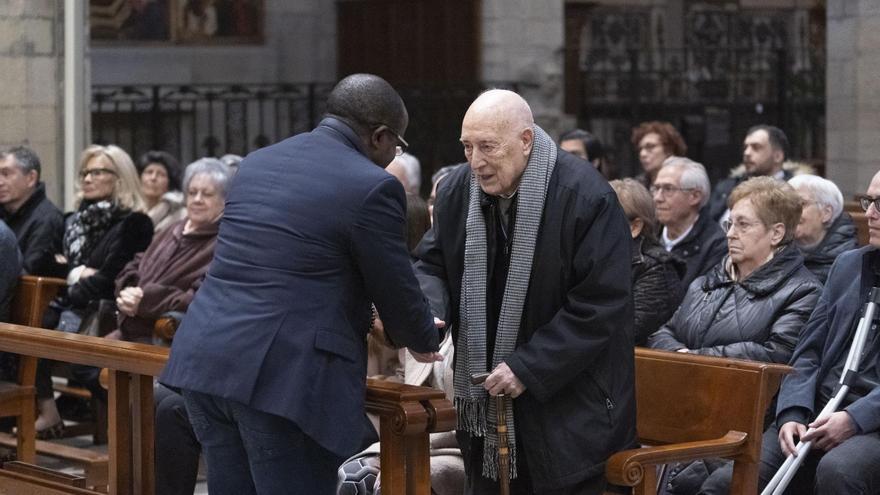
<point x="129" y="300"/>
<point x="828" y="432"/>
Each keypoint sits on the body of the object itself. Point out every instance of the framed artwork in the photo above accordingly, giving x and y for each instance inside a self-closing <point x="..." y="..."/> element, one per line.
<point x="176" y="21"/>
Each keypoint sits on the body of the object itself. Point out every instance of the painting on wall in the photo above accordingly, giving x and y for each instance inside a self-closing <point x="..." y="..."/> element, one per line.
<point x="176" y="21"/>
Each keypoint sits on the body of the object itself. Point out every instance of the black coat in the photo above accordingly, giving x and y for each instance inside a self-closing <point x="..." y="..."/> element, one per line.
<point x="131" y="234"/>
<point x="701" y="249"/>
<point x="840" y="237"/>
<point x="759" y="318"/>
<point x="575" y="348"/>
<point x="39" y="226"/>
<point x="657" y="289"/>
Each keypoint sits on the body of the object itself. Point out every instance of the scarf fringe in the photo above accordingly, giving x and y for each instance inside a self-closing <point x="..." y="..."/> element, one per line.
<point x="492" y="462"/>
<point x="471" y="415"/>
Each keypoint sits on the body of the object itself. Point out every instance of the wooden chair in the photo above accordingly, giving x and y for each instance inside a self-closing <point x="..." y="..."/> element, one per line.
<point x="692" y="407"/>
<point x="18" y="399"/>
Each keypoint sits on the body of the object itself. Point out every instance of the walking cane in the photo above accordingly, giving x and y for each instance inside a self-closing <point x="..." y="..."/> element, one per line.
<point x="848" y="377"/>
<point x="503" y="448"/>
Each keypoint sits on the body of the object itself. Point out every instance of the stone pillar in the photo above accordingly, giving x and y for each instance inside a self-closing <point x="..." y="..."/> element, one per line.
<point x="853" y="94"/>
<point x="522" y="42"/>
<point x="31" y="78"/>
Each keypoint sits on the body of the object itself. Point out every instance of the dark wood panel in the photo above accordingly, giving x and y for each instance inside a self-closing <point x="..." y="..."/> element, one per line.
<point x="409" y="41"/>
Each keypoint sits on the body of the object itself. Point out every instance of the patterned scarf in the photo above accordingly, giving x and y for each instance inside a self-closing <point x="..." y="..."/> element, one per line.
<point x="476" y="413"/>
<point x="87" y="226"/>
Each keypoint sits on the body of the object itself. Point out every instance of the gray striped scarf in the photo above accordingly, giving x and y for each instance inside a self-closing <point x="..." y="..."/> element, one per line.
<point x="476" y="413"/>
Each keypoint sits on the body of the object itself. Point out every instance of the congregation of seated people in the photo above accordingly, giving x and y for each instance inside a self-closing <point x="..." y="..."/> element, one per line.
<point x="734" y="272"/>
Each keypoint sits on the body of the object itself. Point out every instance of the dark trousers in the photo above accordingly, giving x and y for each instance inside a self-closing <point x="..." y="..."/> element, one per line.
<point x="849" y="468"/>
<point x="476" y="484"/>
<point x="253" y="452"/>
<point x="177" y="448"/>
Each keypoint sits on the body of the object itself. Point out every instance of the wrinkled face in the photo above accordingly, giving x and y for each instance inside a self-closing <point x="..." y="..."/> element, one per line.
<point x="758" y="156"/>
<point x="496" y="151"/>
<point x="154" y="181"/>
<point x="203" y="200"/>
<point x="749" y="241"/>
<point x="811" y="227"/>
<point x="671" y="203"/>
<point x="98" y="179"/>
<point x="15" y="185"/>
<point x="651" y="152"/>
<point x="872" y="213"/>
<point x="575" y="147"/>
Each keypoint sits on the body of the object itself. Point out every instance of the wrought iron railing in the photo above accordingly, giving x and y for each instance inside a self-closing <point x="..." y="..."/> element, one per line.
<point x="191" y="121"/>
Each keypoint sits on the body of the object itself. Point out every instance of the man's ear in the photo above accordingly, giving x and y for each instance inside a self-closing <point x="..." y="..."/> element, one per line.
<point x="32" y="178"/>
<point x="528" y="140"/>
<point x="778" y="156"/>
<point x="695" y="198"/>
<point x="375" y="138"/>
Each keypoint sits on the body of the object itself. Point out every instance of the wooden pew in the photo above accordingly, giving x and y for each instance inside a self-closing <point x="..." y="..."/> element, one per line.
<point x="407" y="413"/>
<point x="32" y="296"/>
<point x="691" y="407"/>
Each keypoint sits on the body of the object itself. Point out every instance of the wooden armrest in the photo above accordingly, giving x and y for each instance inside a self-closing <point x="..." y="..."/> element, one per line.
<point x="413" y="409"/>
<point x="166" y="325"/>
<point x="627" y="468"/>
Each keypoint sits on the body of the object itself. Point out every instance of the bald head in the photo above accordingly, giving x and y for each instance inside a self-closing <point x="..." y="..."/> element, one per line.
<point x="365" y="101"/>
<point x="497" y="134"/>
<point x="502" y="109"/>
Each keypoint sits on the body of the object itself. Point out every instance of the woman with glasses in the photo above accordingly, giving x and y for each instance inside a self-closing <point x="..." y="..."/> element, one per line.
<point x="824" y="230"/>
<point x="656" y="273"/>
<point x="100" y="237"/>
<point x="750" y="306"/>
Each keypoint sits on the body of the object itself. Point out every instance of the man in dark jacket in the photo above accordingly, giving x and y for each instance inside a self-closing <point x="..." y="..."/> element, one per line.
<point x="272" y="353"/>
<point x="37" y="223"/>
<point x="764" y="152"/>
<point x="846" y="444"/>
<point x="533" y="251"/>
<point x="680" y="192"/>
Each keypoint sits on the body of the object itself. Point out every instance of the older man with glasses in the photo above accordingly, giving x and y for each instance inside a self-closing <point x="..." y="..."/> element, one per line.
<point x="680" y="191"/>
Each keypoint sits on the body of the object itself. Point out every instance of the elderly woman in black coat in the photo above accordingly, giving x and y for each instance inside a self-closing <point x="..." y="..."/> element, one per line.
<point x="750" y="306"/>
<point x="656" y="273"/>
<point x="825" y="230"/>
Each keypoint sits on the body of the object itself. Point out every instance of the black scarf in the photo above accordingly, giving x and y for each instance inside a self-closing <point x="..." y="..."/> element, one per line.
<point x="87" y="227"/>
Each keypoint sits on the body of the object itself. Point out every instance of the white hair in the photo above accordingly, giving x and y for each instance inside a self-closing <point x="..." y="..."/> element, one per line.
<point x="413" y="170"/>
<point x="823" y="191"/>
<point x="693" y="175"/>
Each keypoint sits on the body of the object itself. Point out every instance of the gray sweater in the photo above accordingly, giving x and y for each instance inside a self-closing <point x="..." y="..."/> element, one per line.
<point x="10" y="268"/>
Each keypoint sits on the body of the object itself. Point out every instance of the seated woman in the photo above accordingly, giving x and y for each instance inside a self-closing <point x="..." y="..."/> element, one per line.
<point x="825" y="230"/>
<point x="100" y="237"/>
<point x="656" y="273"/>
<point x="160" y="186"/>
<point x="166" y="276"/>
<point x="750" y="306"/>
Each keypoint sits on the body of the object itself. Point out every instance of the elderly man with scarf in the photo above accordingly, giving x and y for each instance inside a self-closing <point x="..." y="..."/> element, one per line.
<point x="530" y="253"/>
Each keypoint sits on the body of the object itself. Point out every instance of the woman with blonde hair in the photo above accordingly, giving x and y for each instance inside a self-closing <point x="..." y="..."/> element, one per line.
<point x="100" y="237"/>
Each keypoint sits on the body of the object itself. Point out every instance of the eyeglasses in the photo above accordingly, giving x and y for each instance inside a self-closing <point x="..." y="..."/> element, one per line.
<point x="739" y="225"/>
<point x="96" y="172"/>
<point x="402" y="147"/>
<point x="866" y="201"/>
<point x="666" y="189"/>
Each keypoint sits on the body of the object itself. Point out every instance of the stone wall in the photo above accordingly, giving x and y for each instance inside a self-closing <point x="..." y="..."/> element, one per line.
<point x="853" y="93"/>
<point x="299" y="46"/>
<point x="31" y="99"/>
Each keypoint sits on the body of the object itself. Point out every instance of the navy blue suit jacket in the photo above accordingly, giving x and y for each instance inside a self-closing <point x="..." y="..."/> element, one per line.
<point x="312" y="232"/>
<point x="825" y="337"/>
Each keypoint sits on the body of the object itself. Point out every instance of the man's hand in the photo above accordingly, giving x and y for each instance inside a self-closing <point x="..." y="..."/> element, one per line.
<point x="503" y="381"/>
<point x="787" y="435"/>
<point x="830" y="431"/>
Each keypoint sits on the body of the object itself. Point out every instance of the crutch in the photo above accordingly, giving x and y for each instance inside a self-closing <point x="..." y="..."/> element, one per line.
<point x="848" y="377"/>
<point x="501" y="429"/>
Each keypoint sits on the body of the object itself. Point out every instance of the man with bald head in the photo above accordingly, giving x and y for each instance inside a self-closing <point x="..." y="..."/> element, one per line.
<point x="271" y="356"/>
<point x="531" y="251"/>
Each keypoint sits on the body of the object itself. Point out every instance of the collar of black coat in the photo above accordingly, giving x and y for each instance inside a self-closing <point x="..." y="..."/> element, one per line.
<point x="36" y="198"/>
<point x="344" y="132"/>
<point x="768" y="278"/>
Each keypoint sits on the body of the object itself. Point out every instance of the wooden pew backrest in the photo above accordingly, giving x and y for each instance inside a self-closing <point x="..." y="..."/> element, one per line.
<point x="32" y="297"/>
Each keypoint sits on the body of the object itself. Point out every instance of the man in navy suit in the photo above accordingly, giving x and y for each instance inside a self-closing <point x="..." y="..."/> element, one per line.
<point x="846" y="444"/>
<point x="271" y="357"/>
